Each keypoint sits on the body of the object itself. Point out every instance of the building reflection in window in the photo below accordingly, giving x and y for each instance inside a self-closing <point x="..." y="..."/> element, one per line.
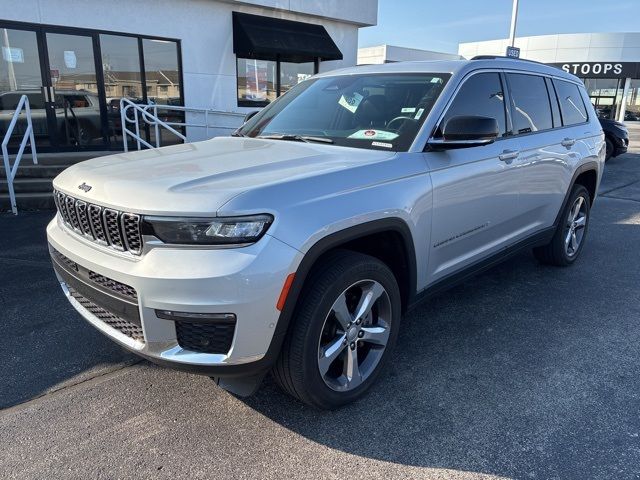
<point x="162" y="77"/>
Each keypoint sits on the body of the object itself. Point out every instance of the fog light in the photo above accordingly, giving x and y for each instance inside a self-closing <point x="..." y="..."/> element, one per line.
<point x="224" y="318"/>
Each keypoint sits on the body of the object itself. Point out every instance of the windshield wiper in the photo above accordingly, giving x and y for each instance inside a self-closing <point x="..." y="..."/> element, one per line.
<point x="296" y="138"/>
<point x="238" y="134"/>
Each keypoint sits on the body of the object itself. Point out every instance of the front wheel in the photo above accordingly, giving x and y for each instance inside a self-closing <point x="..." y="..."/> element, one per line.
<point x="343" y="331"/>
<point x="609" y="149"/>
<point x="569" y="238"/>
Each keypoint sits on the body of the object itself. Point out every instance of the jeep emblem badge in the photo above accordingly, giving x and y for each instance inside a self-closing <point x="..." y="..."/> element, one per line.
<point x="84" y="187"/>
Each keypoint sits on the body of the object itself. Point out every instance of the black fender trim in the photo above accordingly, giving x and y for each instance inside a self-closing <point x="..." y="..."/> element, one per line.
<point x="325" y="244"/>
<point x="585" y="167"/>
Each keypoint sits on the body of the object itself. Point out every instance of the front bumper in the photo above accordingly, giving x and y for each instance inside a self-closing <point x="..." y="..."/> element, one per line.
<point x="245" y="282"/>
<point x="620" y="145"/>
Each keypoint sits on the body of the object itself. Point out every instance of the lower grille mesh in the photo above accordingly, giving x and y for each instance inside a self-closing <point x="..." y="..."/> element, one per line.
<point x="205" y="337"/>
<point x="117" y="287"/>
<point x="124" y="326"/>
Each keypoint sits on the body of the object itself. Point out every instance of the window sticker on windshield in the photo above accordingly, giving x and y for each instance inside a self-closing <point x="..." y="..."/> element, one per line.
<point x="351" y="102"/>
<point x="373" y="135"/>
<point x="382" y="144"/>
<point x="419" y="114"/>
<point x="408" y="110"/>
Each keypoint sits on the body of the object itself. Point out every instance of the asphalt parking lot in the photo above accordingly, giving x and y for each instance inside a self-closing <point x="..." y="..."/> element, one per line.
<point x="523" y="372"/>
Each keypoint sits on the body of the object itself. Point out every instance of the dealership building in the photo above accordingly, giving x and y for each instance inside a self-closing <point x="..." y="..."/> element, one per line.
<point x="608" y="63"/>
<point x="381" y="54"/>
<point x="75" y="60"/>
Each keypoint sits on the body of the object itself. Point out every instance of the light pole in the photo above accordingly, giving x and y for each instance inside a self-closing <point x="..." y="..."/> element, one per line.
<point x="514" y="21"/>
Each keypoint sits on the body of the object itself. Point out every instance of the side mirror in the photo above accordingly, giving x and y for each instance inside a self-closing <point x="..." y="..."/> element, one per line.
<point x="250" y="115"/>
<point x="466" y="131"/>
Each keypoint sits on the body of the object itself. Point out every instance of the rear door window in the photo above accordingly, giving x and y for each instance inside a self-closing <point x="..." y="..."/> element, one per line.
<point x="482" y="94"/>
<point x="531" y="107"/>
<point x="571" y="103"/>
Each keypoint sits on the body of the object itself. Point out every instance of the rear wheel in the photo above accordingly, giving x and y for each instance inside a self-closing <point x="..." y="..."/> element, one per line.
<point x="343" y="332"/>
<point x="569" y="238"/>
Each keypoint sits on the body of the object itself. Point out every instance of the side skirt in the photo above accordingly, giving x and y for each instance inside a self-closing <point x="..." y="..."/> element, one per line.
<point x="541" y="238"/>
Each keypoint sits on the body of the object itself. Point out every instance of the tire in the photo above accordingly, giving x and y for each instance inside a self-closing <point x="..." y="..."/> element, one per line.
<point x="341" y="276"/>
<point x="609" y="151"/>
<point x="570" y="228"/>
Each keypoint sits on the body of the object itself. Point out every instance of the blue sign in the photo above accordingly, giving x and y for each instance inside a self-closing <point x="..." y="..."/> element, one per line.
<point x="513" y="52"/>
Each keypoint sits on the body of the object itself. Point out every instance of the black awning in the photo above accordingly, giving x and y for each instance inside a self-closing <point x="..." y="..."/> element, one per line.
<point x="267" y="38"/>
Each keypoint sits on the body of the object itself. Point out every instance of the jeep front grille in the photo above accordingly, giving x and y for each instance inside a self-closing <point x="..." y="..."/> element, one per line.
<point x="118" y="230"/>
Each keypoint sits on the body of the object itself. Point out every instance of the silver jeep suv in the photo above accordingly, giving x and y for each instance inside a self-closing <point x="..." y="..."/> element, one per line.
<point x="296" y="245"/>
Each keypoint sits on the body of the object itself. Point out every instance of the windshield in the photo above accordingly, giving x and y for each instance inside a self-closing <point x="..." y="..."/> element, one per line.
<point x="383" y="111"/>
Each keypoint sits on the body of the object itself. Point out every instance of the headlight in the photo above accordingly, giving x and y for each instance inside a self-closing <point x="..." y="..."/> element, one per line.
<point x="208" y="231"/>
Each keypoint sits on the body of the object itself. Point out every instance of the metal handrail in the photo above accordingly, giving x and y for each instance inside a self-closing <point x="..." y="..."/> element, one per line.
<point x="149" y="114"/>
<point x="27" y="136"/>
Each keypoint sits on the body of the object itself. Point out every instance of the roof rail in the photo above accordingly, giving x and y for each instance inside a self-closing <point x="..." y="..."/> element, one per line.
<point x="502" y="57"/>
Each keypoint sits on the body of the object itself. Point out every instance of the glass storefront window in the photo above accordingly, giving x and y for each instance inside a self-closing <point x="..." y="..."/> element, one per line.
<point x="20" y="74"/>
<point x="256" y="82"/>
<point x="632" y="112"/>
<point x="75" y="102"/>
<point x="162" y="77"/>
<point x="78" y="119"/>
<point x="293" y="73"/>
<point x="605" y="95"/>
<point x="121" y="66"/>
<point x="122" y="78"/>
<point x="162" y="72"/>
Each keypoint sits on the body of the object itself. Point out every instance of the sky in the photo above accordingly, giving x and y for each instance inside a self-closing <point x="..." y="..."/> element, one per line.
<point x="441" y="24"/>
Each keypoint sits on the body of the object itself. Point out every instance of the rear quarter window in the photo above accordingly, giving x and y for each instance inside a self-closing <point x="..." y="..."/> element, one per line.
<point x="531" y="107"/>
<point x="572" y="106"/>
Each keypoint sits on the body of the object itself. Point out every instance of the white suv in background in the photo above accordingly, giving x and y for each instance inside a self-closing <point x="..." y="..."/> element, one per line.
<point x="296" y="246"/>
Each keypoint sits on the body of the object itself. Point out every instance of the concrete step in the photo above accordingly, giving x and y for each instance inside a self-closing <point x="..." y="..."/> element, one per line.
<point x="28" y="170"/>
<point x="27" y="185"/>
<point x="28" y="201"/>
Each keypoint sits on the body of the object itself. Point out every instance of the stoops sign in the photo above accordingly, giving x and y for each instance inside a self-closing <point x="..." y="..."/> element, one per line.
<point x="601" y="69"/>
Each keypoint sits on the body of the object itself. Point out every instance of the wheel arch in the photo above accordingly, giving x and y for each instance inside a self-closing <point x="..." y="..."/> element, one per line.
<point x="348" y="238"/>
<point x="585" y="173"/>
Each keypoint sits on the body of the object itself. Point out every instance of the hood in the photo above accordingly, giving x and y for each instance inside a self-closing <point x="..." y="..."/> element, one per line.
<point x="608" y="124"/>
<point x="198" y="178"/>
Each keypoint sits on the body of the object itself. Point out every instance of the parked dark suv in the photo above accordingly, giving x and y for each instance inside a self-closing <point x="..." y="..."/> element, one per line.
<point x="616" y="137"/>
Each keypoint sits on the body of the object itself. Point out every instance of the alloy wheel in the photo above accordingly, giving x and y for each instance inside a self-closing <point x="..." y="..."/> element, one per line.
<point x="575" y="228"/>
<point x="354" y="335"/>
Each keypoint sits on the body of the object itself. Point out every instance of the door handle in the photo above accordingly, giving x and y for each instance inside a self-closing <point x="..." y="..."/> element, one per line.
<point x="507" y="155"/>
<point x="568" y="142"/>
<point x="45" y="94"/>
